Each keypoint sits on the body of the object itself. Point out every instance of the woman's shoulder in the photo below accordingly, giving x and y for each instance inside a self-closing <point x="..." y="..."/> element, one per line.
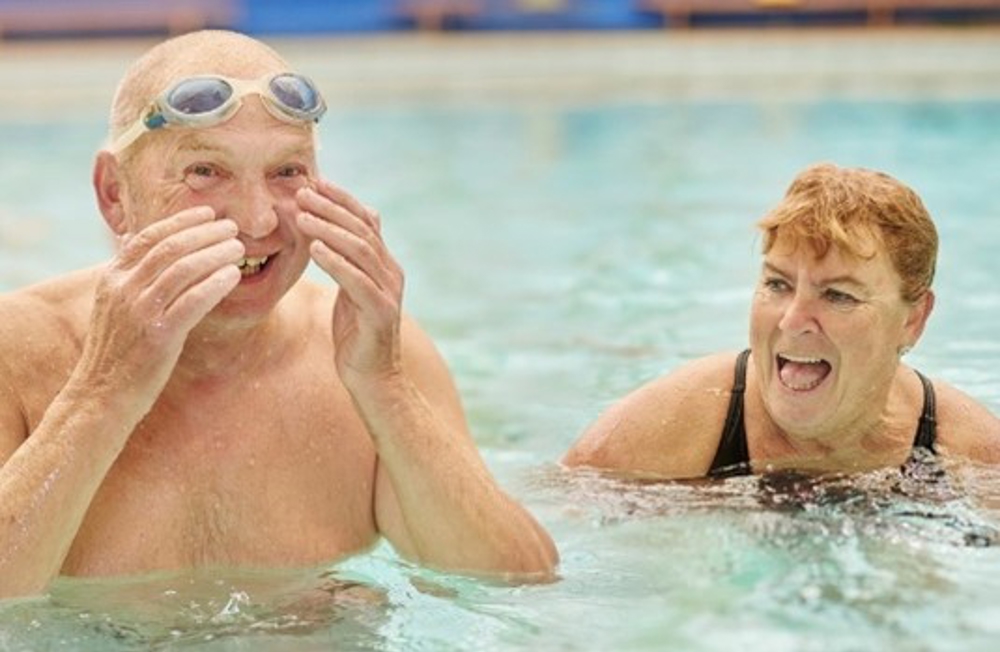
<point x="966" y="428"/>
<point x="669" y="426"/>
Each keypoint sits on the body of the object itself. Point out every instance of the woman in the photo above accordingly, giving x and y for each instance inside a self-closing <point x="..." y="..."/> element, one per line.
<point x="844" y="292"/>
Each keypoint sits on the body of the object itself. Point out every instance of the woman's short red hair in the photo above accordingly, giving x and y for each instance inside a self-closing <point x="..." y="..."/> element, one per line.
<point x="851" y="208"/>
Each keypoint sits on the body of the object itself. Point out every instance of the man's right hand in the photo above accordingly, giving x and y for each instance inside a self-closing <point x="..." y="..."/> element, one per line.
<point x="163" y="281"/>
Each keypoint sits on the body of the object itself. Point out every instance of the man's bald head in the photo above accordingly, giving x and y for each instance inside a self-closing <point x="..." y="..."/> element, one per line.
<point x="206" y="52"/>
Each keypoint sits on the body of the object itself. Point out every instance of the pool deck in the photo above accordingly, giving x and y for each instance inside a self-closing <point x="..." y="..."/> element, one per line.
<point x="44" y="79"/>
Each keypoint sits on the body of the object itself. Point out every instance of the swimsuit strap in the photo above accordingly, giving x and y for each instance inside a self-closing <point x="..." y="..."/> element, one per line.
<point x="732" y="457"/>
<point x="927" y="428"/>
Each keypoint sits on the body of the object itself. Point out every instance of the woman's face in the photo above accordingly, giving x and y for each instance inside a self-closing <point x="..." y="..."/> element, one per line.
<point x="826" y="335"/>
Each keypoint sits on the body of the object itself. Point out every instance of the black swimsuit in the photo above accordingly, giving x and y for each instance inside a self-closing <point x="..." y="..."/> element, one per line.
<point x="733" y="458"/>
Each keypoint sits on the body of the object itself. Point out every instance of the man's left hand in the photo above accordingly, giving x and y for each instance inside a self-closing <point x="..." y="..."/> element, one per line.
<point x="348" y="245"/>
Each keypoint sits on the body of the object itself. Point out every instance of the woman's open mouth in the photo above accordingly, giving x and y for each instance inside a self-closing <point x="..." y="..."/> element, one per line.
<point x="801" y="373"/>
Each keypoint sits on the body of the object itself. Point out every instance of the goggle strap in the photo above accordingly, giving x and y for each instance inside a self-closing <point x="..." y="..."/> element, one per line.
<point x="129" y="136"/>
<point x="154" y="120"/>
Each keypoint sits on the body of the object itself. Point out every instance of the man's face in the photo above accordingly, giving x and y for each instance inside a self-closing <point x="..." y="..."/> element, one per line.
<point x="826" y="334"/>
<point x="248" y="170"/>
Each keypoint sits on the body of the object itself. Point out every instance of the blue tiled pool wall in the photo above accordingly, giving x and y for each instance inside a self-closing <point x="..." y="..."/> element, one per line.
<point x="365" y="16"/>
<point x="310" y="16"/>
<point x="323" y="16"/>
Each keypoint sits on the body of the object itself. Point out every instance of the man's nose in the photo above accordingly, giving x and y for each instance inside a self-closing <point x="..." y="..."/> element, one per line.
<point x="254" y="210"/>
<point x="800" y="315"/>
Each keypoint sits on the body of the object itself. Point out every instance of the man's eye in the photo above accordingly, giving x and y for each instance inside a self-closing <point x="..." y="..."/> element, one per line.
<point x="290" y="171"/>
<point x="202" y="170"/>
<point x="202" y="176"/>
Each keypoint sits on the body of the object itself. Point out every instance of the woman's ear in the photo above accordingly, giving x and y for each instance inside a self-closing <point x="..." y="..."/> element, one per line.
<point x="108" y="188"/>
<point x="920" y="311"/>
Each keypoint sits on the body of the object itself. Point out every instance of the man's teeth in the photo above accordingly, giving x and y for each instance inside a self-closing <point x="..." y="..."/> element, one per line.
<point x="250" y="266"/>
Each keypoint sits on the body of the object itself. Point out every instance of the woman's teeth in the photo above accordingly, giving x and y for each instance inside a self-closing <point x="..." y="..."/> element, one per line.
<point x="801" y="373"/>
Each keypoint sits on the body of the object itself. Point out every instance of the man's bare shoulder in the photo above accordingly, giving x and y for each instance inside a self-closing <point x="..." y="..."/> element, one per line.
<point x="41" y="328"/>
<point x="669" y="427"/>
<point x="47" y="315"/>
<point x="966" y="428"/>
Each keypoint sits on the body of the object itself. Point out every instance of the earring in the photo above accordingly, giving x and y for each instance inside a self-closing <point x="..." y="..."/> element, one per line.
<point x="903" y="350"/>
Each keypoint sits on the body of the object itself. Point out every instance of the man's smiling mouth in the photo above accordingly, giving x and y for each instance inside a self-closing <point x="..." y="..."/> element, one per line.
<point x="802" y="373"/>
<point x="250" y="265"/>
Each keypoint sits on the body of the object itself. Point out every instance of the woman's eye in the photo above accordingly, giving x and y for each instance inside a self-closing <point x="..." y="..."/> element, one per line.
<point x="776" y="285"/>
<point x="840" y="298"/>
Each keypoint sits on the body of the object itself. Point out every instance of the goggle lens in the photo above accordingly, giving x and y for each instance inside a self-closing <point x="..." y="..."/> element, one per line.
<point x="198" y="96"/>
<point x="294" y="92"/>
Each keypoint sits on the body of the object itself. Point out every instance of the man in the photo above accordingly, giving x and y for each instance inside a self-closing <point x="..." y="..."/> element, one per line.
<point x="195" y="402"/>
<point x="844" y="292"/>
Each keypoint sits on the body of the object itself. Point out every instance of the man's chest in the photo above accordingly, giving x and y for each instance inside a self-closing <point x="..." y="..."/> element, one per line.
<point x="269" y="481"/>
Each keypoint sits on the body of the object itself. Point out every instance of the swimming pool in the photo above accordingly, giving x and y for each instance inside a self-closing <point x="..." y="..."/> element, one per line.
<point x="563" y="247"/>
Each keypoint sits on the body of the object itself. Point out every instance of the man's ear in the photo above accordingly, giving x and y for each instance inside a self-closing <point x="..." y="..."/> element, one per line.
<point x="108" y="188"/>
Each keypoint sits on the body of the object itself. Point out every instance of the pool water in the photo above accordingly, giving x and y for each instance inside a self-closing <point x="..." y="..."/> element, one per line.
<point x="561" y="253"/>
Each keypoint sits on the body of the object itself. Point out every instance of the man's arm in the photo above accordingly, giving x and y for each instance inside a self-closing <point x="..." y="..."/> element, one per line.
<point x="162" y="282"/>
<point x="435" y="499"/>
<point x="49" y="479"/>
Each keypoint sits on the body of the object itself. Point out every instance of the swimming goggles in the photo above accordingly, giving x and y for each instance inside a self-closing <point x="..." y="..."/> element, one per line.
<point x="208" y="100"/>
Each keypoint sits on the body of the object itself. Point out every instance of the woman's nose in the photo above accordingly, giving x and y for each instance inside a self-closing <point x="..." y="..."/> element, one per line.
<point x="799" y="315"/>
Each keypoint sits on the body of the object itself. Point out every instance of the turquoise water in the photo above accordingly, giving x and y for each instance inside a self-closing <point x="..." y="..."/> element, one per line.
<point x="561" y="254"/>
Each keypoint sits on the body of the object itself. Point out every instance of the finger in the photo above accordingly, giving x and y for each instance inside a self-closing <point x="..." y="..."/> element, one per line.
<point x="372" y="260"/>
<point x="135" y="245"/>
<point x="344" y="215"/>
<point x="191" y="269"/>
<point x="182" y="243"/>
<point x="199" y="299"/>
<point x="340" y="196"/>
<point x="367" y="228"/>
<point x="360" y="287"/>
<point x="375" y="218"/>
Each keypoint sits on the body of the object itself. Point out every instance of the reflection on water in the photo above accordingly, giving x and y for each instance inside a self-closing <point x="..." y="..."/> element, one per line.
<point x="923" y="500"/>
<point x="184" y="610"/>
<point x="787" y="560"/>
<point x="374" y="603"/>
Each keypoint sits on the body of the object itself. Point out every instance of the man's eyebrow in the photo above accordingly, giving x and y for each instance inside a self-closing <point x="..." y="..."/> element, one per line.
<point x="192" y="142"/>
<point x="195" y="143"/>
